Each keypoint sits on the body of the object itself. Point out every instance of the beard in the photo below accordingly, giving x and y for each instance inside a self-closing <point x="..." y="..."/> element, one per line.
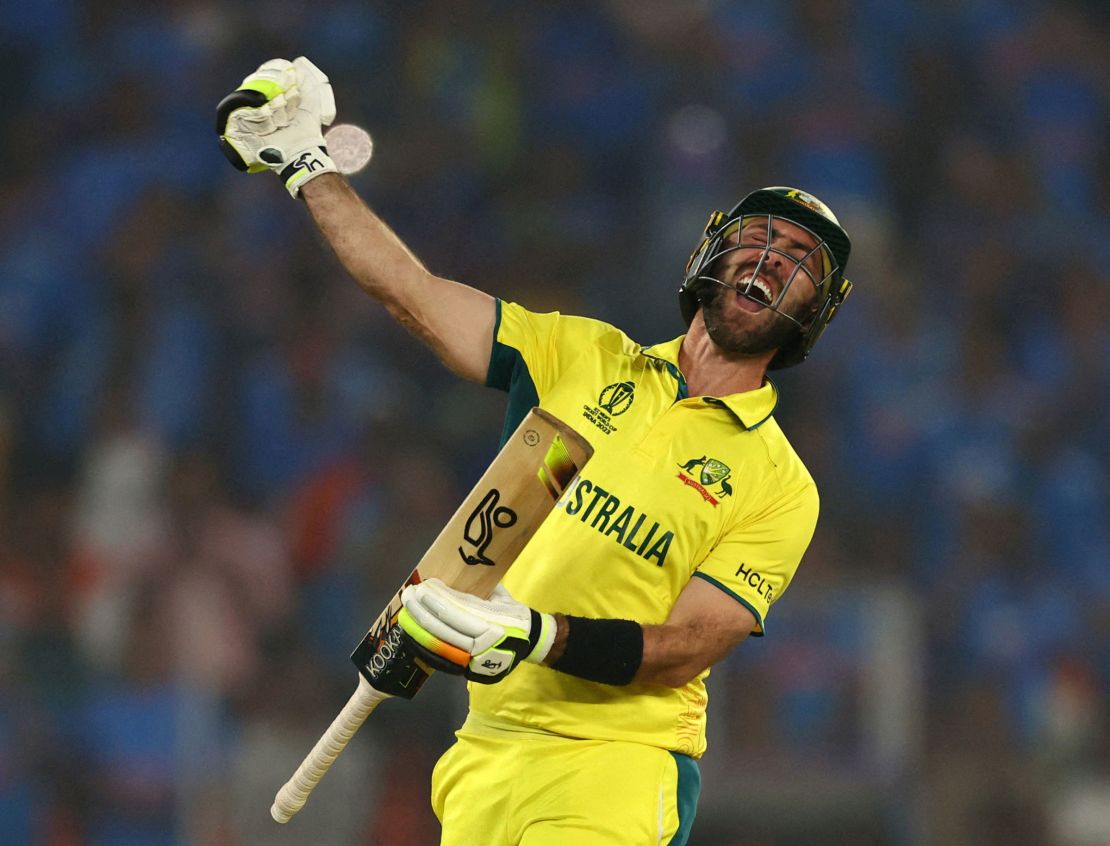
<point x="740" y="340"/>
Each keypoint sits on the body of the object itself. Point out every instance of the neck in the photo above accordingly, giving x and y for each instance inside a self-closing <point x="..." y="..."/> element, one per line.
<point x="711" y="371"/>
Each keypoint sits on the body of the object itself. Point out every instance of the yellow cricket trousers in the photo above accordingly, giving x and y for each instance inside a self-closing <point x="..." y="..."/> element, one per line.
<point x="503" y="786"/>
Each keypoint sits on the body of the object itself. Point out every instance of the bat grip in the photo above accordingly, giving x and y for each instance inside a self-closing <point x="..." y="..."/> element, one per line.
<point x="293" y="795"/>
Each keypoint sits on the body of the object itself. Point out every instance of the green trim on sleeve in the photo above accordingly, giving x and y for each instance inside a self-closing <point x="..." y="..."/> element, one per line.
<point x="758" y="617"/>
<point x="509" y="372"/>
<point x="500" y="365"/>
<point x="689" y="789"/>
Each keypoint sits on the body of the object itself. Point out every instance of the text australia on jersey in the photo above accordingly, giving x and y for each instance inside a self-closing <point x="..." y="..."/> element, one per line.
<point x="628" y="526"/>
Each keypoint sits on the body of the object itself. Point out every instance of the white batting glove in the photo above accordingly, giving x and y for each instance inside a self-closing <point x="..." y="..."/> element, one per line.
<point x="274" y="121"/>
<point x="483" y="639"/>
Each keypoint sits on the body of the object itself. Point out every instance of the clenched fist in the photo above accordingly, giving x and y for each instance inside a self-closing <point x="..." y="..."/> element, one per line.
<point x="275" y="119"/>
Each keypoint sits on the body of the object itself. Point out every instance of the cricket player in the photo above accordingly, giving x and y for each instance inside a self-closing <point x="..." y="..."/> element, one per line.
<point x="588" y="702"/>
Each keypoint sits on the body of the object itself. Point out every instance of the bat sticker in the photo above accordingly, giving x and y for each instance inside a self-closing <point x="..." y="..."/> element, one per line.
<point x="480" y="525"/>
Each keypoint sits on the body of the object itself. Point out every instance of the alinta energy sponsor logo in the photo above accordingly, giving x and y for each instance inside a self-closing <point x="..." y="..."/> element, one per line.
<point x="613" y="401"/>
<point x="710" y="473"/>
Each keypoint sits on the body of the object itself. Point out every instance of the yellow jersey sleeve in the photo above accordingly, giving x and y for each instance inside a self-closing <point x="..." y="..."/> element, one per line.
<point x="543" y="345"/>
<point x="755" y="562"/>
<point x="532" y="351"/>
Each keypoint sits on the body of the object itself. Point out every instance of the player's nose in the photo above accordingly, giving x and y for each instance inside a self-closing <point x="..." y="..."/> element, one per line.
<point x="774" y="257"/>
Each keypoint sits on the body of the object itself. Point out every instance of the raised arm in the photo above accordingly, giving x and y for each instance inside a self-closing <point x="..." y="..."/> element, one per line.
<point x="454" y="320"/>
<point x="274" y="121"/>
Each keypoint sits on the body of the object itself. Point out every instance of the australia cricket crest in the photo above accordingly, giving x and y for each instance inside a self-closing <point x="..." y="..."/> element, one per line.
<point x="710" y="473"/>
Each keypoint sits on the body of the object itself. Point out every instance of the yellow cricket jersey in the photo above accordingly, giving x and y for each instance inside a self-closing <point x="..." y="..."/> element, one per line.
<point x="678" y="488"/>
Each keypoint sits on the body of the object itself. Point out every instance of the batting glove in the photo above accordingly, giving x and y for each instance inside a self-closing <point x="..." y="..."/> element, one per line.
<point x="274" y="121"/>
<point x="483" y="639"/>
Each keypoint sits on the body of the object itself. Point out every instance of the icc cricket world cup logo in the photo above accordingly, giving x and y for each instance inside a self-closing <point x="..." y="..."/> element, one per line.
<point x="480" y="526"/>
<point x="616" y="398"/>
<point x="613" y="401"/>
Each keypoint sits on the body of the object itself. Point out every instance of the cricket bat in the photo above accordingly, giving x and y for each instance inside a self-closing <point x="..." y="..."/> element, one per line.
<point x="472" y="554"/>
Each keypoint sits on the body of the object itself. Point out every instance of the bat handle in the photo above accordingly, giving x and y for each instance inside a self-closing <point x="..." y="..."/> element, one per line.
<point x="295" y="792"/>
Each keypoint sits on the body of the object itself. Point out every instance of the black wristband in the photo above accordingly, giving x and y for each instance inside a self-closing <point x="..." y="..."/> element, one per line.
<point x="606" y="651"/>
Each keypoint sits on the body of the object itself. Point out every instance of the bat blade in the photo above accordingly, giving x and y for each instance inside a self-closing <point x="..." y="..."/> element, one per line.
<point x="472" y="554"/>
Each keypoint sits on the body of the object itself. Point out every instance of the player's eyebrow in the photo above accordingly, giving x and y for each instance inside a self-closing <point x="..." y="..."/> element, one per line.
<point x="779" y="234"/>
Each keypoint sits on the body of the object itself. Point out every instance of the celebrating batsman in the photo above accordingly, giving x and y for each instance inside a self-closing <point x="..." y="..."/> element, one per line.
<point x="588" y="708"/>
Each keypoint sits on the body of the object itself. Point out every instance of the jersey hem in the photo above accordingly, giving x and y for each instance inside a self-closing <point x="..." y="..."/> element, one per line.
<point x="485" y="722"/>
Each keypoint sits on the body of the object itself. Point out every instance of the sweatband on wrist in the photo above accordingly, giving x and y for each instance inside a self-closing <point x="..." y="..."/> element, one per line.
<point x="605" y="651"/>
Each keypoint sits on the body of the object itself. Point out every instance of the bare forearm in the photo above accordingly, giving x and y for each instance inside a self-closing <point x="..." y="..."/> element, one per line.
<point x="372" y="253"/>
<point x="673" y="654"/>
<point x="454" y="320"/>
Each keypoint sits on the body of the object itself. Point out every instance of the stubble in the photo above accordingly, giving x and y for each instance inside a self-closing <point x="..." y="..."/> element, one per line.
<point x="767" y="335"/>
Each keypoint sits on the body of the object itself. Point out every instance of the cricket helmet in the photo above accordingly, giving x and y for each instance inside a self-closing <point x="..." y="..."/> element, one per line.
<point x="801" y="209"/>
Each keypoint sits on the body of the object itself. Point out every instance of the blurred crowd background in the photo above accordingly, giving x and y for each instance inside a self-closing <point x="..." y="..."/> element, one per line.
<point x="217" y="458"/>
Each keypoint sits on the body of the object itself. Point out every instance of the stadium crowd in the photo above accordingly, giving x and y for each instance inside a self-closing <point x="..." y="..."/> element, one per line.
<point x="217" y="459"/>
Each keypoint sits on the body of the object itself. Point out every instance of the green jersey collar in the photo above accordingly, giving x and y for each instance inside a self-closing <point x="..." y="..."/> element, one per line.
<point x="751" y="408"/>
<point x="667" y="353"/>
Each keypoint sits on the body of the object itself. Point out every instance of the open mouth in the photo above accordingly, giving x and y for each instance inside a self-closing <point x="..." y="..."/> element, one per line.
<point x="754" y="291"/>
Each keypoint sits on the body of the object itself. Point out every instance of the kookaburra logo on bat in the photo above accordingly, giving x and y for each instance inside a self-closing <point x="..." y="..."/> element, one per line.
<point x="481" y="524"/>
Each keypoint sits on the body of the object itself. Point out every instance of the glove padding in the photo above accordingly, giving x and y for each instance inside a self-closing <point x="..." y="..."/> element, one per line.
<point x="274" y="121"/>
<point x="483" y="639"/>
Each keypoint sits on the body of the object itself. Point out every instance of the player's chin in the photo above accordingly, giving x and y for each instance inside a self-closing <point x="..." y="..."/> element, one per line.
<point x="749" y="333"/>
<point x="736" y="339"/>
